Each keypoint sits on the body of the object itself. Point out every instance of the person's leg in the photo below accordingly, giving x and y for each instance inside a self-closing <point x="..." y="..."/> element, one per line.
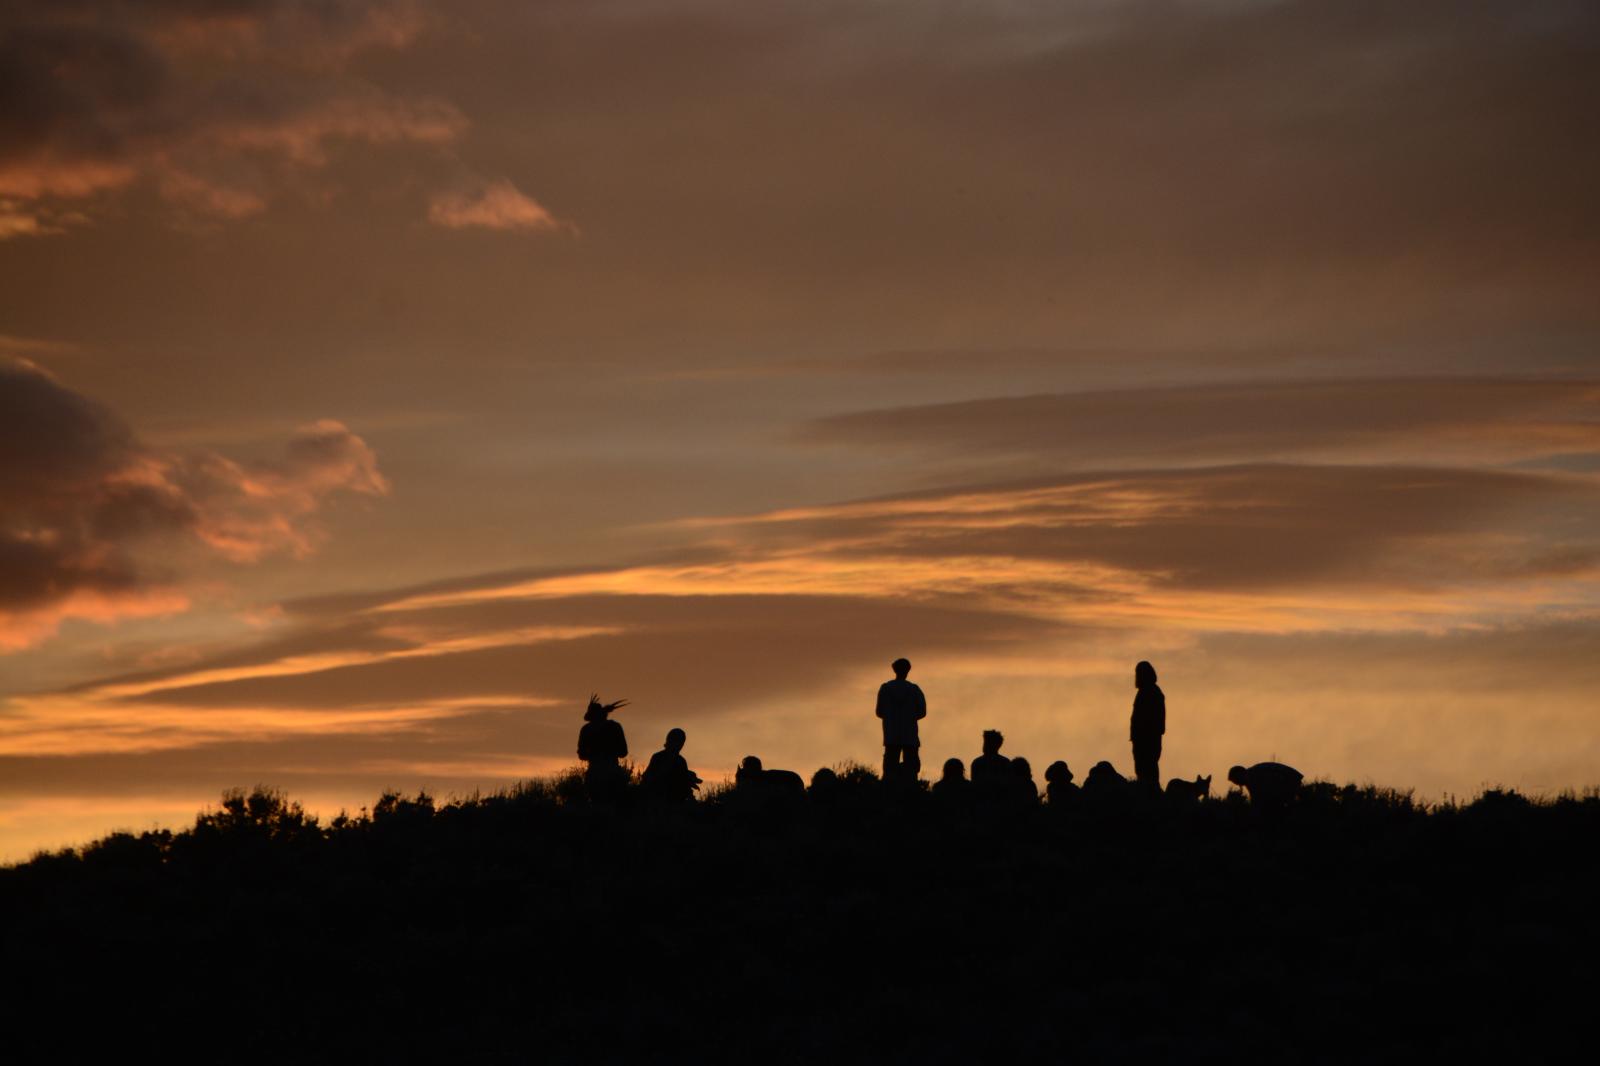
<point x="891" y="760"/>
<point x="1147" y="766"/>
<point x="913" y="763"/>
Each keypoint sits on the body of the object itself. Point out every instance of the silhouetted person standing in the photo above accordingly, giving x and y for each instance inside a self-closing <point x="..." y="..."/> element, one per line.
<point x="1147" y="727"/>
<point x="602" y="746"/>
<point x="901" y="705"/>
<point x="1270" y="784"/>
<point x="668" y="778"/>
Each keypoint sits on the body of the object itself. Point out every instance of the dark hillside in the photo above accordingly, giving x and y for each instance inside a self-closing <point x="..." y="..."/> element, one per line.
<point x="864" y="925"/>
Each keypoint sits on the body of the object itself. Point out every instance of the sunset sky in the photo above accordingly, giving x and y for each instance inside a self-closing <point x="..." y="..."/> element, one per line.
<point x="378" y="379"/>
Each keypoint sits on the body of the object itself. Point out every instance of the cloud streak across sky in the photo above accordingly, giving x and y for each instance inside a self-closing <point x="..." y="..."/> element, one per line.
<point x="1024" y="584"/>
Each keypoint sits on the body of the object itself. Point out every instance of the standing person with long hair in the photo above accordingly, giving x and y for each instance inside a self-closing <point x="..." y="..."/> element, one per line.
<point x="602" y="745"/>
<point x="1147" y="727"/>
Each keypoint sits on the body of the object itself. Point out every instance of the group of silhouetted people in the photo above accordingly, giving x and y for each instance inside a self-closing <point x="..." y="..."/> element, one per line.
<point x="996" y="780"/>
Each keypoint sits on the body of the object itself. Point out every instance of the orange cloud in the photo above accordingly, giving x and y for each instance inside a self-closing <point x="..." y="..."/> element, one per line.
<point x="137" y="94"/>
<point x="498" y="206"/>
<point x="82" y="498"/>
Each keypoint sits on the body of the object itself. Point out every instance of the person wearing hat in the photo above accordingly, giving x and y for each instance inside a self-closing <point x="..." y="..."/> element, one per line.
<point x="602" y="746"/>
<point x="901" y="705"/>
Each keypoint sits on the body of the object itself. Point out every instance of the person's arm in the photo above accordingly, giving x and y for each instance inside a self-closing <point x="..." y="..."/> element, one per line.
<point x="922" y="704"/>
<point x="883" y="695"/>
<point x="1161" y="715"/>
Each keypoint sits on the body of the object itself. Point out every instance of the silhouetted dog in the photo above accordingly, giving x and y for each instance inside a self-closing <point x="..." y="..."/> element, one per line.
<point x="1189" y="791"/>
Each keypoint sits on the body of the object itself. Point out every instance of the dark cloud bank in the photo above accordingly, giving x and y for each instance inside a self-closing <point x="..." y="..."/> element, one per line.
<point x="81" y="499"/>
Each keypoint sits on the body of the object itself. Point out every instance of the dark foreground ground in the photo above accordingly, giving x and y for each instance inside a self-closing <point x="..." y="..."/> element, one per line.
<point x="1356" y="927"/>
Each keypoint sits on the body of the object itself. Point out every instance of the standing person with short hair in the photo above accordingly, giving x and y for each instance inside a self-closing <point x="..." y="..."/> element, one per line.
<point x="1147" y="727"/>
<point x="901" y="705"/>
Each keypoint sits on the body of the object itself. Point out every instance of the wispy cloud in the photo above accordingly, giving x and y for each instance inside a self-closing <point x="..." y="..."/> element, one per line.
<point x="1439" y="419"/>
<point x="103" y="98"/>
<point x="498" y="205"/>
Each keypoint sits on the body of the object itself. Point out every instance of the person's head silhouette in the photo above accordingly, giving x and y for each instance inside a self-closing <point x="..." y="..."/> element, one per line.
<point x="1144" y="675"/>
<point x="901" y="668"/>
<point x="1020" y="767"/>
<point x="992" y="741"/>
<point x="1238" y="775"/>
<point x="751" y="764"/>
<point x="676" y="738"/>
<point x="1058" y="773"/>
<point x="597" y="710"/>
<point x="954" y="770"/>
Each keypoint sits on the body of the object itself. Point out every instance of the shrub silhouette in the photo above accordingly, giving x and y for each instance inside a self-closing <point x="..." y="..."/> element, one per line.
<point x="1358" y="925"/>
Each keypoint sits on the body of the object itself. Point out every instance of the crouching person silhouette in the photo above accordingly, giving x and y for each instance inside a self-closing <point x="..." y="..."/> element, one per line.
<point x="1104" y="785"/>
<point x="668" y="778"/>
<point x="1271" y="785"/>
<point x="754" y="780"/>
<point x="901" y="705"/>
<point x="602" y="746"/>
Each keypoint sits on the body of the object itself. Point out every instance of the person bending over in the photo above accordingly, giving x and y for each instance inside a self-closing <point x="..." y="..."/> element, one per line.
<point x="1270" y="784"/>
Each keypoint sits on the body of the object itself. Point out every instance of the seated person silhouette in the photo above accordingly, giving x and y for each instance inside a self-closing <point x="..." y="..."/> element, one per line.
<point x="602" y="746"/>
<point x="953" y="789"/>
<point x="826" y="788"/>
<point x="901" y="705"/>
<point x="1059" y="789"/>
<point x="991" y="768"/>
<point x="1023" y="791"/>
<point x="752" y="779"/>
<point x="668" y="778"/>
<point x="1104" y="783"/>
<point x="1270" y="784"/>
